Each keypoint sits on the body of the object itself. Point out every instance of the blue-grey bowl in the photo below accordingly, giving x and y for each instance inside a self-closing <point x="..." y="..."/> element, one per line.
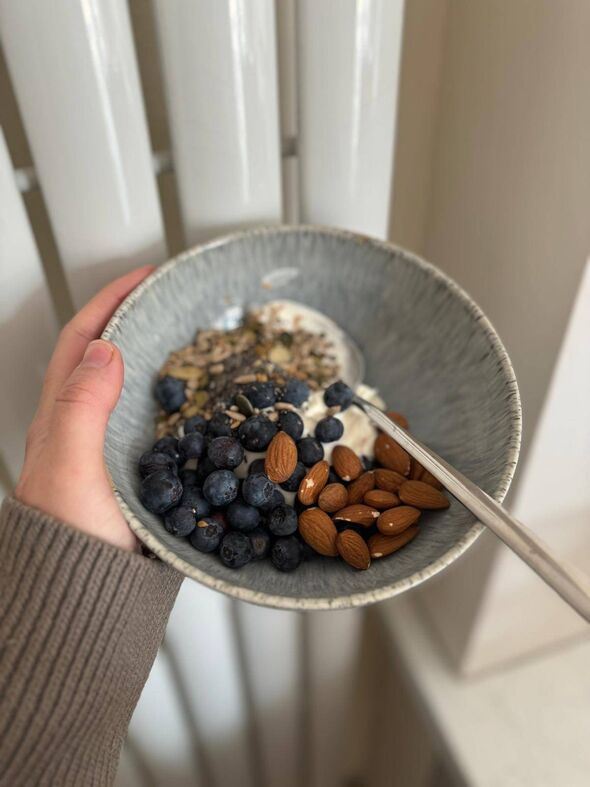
<point x="429" y="350"/>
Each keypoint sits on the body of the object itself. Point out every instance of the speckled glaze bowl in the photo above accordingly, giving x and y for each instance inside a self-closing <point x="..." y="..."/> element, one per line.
<point x="428" y="348"/>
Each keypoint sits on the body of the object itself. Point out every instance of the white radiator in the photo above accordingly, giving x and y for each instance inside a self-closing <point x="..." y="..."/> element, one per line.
<point x="276" y="111"/>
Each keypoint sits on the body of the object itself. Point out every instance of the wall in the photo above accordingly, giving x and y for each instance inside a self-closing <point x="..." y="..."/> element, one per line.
<point x="510" y="189"/>
<point x="508" y="218"/>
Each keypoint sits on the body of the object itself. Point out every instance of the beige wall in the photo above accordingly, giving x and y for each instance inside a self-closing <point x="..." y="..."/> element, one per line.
<point x="509" y="190"/>
<point x="508" y="217"/>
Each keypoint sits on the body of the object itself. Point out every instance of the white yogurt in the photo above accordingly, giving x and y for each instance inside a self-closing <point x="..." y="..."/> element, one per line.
<point x="359" y="432"/>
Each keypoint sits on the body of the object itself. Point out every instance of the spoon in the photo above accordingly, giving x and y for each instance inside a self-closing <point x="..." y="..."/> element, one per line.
<point x="567" y="580"/>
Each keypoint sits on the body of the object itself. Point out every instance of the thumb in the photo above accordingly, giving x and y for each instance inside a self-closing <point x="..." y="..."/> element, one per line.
<point x="84" y="403"/>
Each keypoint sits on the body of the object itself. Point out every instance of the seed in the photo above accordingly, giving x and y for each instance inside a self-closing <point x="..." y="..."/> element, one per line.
<point x="380" y="545"/>
<point x="428" y="478"/>
<point x="399" y="419"/>
<point x="244" y="405"/>
<point x="236" y="416"/>
<point x="380" y="499"/>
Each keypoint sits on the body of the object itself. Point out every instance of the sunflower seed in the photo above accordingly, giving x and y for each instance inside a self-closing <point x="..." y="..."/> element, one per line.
<point x="244" y="405"/>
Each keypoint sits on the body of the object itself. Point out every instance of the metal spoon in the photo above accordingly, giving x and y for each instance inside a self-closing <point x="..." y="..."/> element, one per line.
<point x="571" y="584"/>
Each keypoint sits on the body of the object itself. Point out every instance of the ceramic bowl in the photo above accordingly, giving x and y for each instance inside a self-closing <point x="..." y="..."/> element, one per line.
<point x="429" y="350"/>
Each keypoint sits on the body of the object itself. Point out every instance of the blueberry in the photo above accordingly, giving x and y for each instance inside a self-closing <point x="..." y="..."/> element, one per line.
<point x="257" y="466"/>
<point x="261" y="395"/>
<point x="256" y="433"/>
<point x="295" y="392"/>
<point x="160" y="491"/>
<point x="170" y="393"/>
<point x="329" y="429"/>
<point x="286" y="554"/>
<point x="219" y="425"/>
<point x="368" y="463"/>
<point x="180" y="521"/>
<point x="260" y="540"/>
<point x="221" y="487"/>
<point x="195" y="423"/>
<point x="292" y="483"/>
<point x="310" y="451"/>
<point x="291" y="423"/>
<point x="276" y="499"/>
<point x="191" y="446"/>
<point x="282" y="520"/>
<point x="257" y="489"/>
<point x="242" y="517"/>
<point x="188" y="477"/>
<point x="204" y="468"/>
<point x="333" y="478"/>
<point x="220" y="517"/>
<point x="193" y="498"/>
<point x="207" y="535"/>
<point x="208" y="439"/>
<point x="298" y="505"/>
<point x="168" y="445"/>
<point x="236" y="550"/>
<point x="226" y="452"/>
<point x="338" y="395"/>
<point x="151" y="461"/>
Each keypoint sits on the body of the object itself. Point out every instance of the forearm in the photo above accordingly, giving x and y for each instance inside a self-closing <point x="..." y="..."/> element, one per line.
<point x="80" y="624"/>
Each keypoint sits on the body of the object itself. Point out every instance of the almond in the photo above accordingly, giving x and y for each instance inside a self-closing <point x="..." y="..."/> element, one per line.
<point x="313" y="482"/>
<point x="416" y="470"/>
<point x="281" y="458"/>
<point x="358" y="513"/>
<point x="391" y="455"/>
<point x="353" y="549"/>
<point x="362" y="485"/>
<point x="346" y="463"/>
<point x="379" y="498"/>
<point x="318" y="530"/>
<point x="380" y="545"/>
<point x="428" y="478"/>
<point x="422" y="495"/>
<point x="333" y="497"/>
<point x="399" y="419"/>
<point x="396" y="520"/>
<point x="388" y="480"/>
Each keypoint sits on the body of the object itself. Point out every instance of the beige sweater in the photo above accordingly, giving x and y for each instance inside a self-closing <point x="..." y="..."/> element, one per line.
<point x="80" y="624"/>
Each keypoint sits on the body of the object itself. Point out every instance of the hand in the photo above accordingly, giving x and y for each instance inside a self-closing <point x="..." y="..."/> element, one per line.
<point x="64" y="472"/>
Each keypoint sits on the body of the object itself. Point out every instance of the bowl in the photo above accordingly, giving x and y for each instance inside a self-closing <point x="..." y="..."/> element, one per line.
<point x="429" y="350"/>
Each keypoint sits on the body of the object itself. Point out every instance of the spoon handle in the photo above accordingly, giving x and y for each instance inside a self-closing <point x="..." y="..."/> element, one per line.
<point x="571" y="584"/>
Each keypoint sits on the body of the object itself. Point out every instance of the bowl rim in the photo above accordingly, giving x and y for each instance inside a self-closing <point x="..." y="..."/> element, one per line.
<point x="366" y="597"/>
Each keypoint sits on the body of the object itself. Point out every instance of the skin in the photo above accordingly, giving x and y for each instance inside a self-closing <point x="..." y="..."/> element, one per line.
<point x="64" y="473"/>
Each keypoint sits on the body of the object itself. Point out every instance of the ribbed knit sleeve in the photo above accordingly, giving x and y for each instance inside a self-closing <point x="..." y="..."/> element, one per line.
<point x="80" y="624"/>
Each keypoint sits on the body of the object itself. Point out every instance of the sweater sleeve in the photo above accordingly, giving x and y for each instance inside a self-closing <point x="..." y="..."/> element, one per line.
<point x="80" y="625"/>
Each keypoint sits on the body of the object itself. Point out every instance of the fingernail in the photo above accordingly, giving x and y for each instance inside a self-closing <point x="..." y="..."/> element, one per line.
<point x="98" y="354"/>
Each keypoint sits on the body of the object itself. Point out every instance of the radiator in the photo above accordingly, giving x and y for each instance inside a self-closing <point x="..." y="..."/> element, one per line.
<point x="277" y="112"/>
